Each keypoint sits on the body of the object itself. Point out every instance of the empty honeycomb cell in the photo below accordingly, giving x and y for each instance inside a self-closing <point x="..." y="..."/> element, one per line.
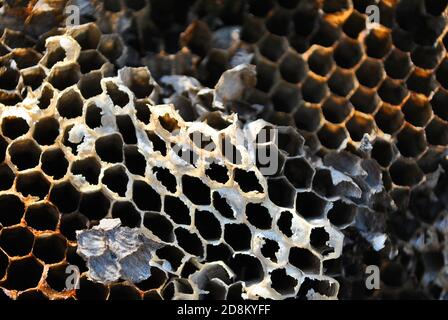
<point x="219" y="252"/>
<point x="217" y="172"/>
<point x="116" y="179"/>
<point x="299" y="172"/>
<point x="87" y="35"/>
<point x="282" y="282"/>
<point x="319" y="238"/>
<point x="89" y="168"/>
<point x="247" y="180"/>
<point x="397" y="64"/>
<point x="157" y="143"/>
<point x="9" y="77"/>
<point x="221" y="205"/>
<point x="437" y="132"/>
<point x="90" y="85"/>
<point x="135" y="162"/>
<point x="42" y="216"/>
<point x="326" y="35"/>
<point x="332" y="136"/>
<point x="382" y="152"/>
<point x="305" y="18"/>
<point x="405" y="172"/>
<point x="56" y="277"/>
<point x="439" y="102"/>
<point x="159" y="226"/>
<point x="355" y="24"/>
<point x="258" y="216"/>
<point x="310" y="205"/>
<point x="70" y="104"/>
<point x="6" y="177"/>
<point x="289" y="141"/>
<point x="281" y="192"/>
<point x="72" y="222"/>
<point x="45" y="97"/>
<point x="62" y="77"/>
<point x="389" y="119"/>
<point x="127" y="213"/>
<point x="32" y="183"/>
<point x="111" y="46"/>
<point x="292" y="68"/>
<point x="90" y="60"/>
<point x="171" y="254"/>
<point x="118" y="97"/>
<point x="260" y="9"/>
<point x="341" y="82"/>
<point x="110" y="148"/>
<point x="94" y="205"/>
<point x="46" y="130"/>
<point x="411" y="141"/>
<point x="308" y="117"/>
<point x="359" y="125"/>
<point x="421" y="81"/>
<point x="66" y="141"/>
<point x="24" y="273"/>
<point x="168" y="123"/>
<point x="143" y="112"/>
<point x="54" y="55"/>
<point x="347" y="53"/>
<point x="207" y="224"/>
<point x="16" y="241"/>
<point x="156" y="280"/>
<point x="323" y="183"/>
<point x="93" y="116"/>
<point x="189" y="241"/>
<point x="272" y="47"/>
<point x="177" y="210"/>
<point x="123" y="291"/>
<point x="314" y="90"/>
<point x="127" y="129"/>
<point x="321" y="61"/>
<point x="24" y="154"/>
<point x="279" y="22"/>
<point x="378" y="43"/>
<point x="269" y="249"/>
<point x="323" y="287"/>
<point x="26" y="58"/>
<point x="145" y="197"/>
<point x="304" y="260"/>
<point x="54" y="163"/>
<point x="195" y="190"/>
<point x="247" y="268"/>
<point x="417" y="110"/>
<point x="427" y="57"/>
<point x="285" y="97"/>
<point x="50" y="248"/>
<point x="365" y="100"/>
<point x="370" y="73"/>
<point x="65" y="197"/>
<point x="14" y="127"/>
<point x="336" y="109"/>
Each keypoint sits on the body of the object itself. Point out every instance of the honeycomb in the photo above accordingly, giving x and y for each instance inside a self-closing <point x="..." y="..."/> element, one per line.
<point x="360" y="141"/>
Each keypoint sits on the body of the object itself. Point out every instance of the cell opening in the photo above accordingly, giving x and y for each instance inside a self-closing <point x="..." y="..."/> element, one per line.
<point x="93" y="116"/>
<point x="16" y="241"/>
<point x="118" y="97"/>
<point x="110" y="148"/>
<point x="336" y="109"/>
<point x="389" y="119"/>
<point x="64" y="76"/>
<point x="94" y="205"/>
<point x="90" y="85"/>
<point x="347" y="53"/>
<point x="143" y="112"/>
<point x="319" y="238"/>
<point x="156" y="280"/>
<point x="24" y="154"/>
<point x="221" y="205"/>
<point x="195" y="190"/>
<point x="378" y="43"/>
<point x="90" y="60"/>
<point x="309" y="205"/>
<point x="42" y="216"/>
<point x="304" y="260"/>
<point x="272" y="47"/>
<point x="341" y="82"/>
<point x="14" y="127"/>
<point x="127" y="213"/>
<point x="370" y="73"/>
<point x="32" y="184"/>
<point x="116" y="179"/>
<point x="46" y="130"/>
<point x="120" y="292"/>
<point x="269" y="248"/>
<point x="54" y="56"/>
<point x="281" y="192"/>
<point x="70" y="104"/>
<point x="45" y="97"/>
<point x="247" y="268"/>
<point x="308" y="117"/>
<point x="284" y="223"/>
<point x="365" y="100"/>
<point x="332" y="136"/>
<point x="159" y="226"/>
<point x="359" y="125"/>
<point x="411" y="141"/>
<point x="157" y="143"/>
<point x="437" y="132"/>
<point x="207" y="224"/>
<point x="138" y="81"/>
<point x="405" y="172"/>
<point x="134" y="160"/>
<point x="417" y="110"/>
<point x="145" y="197"/>
<point x="247" y="180"/>
<point x="314" y="90"/>
<point x="111" y="46"/>
<point x="190" y="242"/>
<point x="354" y="24"/>
<point x="23" y="274"/>
<point x="177" y="210"/>
<point x="397" y="64"/>
<point x="285" y="97"/>
<point x="279" y="23"/>
<point x="171" y="254"/>
<point x="238" y="236"/>
<point x="65" y="197"/>
<point x="282" y="282"/>
<point x="293" y="68"/>
<point x="439" y="102"/>
<point x="50" y="248"/>
<point x="89" y="168"/>
<point x="166" y="178"/>
<point x="218" y="173"/>
<point x="72" y="222"/>
<point x="219" y="252"/>
<point x="127" y="129"/>
<point x="421" y="81"/>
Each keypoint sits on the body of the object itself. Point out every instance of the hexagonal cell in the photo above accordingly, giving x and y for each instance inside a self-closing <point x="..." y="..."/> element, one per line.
<point x="319" y="238"/>
<point x="24" y="154"/>
<point x="389" y="119"/>
<point x="207" y="224"/>
<point x="281" y="192"/>
<point x="370" y="73"/>
<point x="6" y="177"/>
<point x="252" y="29"/>
<point x="323" y="287"/>
<point x="314" y="89"/>
<point x="172" y="254"/>
<point x="91" y="60"/>
<point x="94" y="205"/>
<point x="72" y="222"/>
<point x="14" y="127"/>
<point x="336" y="109"/>
<point x="93" y="116"/>
<point x="360" y="124"/>
<point x="219" y="252"/>
<point x="272" y="47"/>
<point x="177" y="210"/>
<point x="65" y="197"/>
<point x="54" y="163"/>
<point x="247" y="180"/>
<point x="45" y="97"/>
<point x="439" y="102"/>
<point x="422" y="81"/>
<point x="156" y="280"/>
<point x="247" y="268"/>
<point x="292" y="68"/>
<point x="46" y="130"/>
<point x="304" y="260"/>
<point x="221" y="205"/>
<point x="382" y="152"/>
<point x="285" y="97"/>
<point x="258" y="216"/>
<point x="145" y="197"/>
<point x="278" y="22"/>
<point x="111" y="46"/>
<point x="16" y="241"/>
<point x="50" y="248"/>
<point x="122" y="291"/>
<point x="282" y="282"/>
<point x="305" y="17"/>
<point x="378" y="43"/>
<point x="135" y="162"/>
<point x="26" y="58"/>
<point x="157" y="143"/>
<point x="56" y="277"/>
<point x="365" y="100"/>
<point x="341" y="213"/>
<point x="42" y="216"/>
<point x="290" y="141"/>
<point x="127" y="213"/>
<point x="88" y="167"/>
<point x="116" y="179"/>
<point x="195" y="190"/>
<point x="189" y="241"/>
<point x="33" y="184"/>
<point x="23" y="274"/>
<point x="90" y="85"/>
<point x="347" y="53"/>
<point x="427" y="57"/>
<point x="417" y="110"/>
<point x="138" y="80"/>
<point x="437" y="132"/>
<point x="354" y="25"/>
<point x="62" y="77"/>
<point x="310" y="205"/>
<point x="110" y="148"/>
<point x="118" y="97"/>
<point x="70" y="104"/>
<point x="160" y="226"/>
<point x="397" y="64"/>
<point x="321" y="61"/>
<point x="326" y="34"/>
<point x="218" y="173"/>
<point x="332" y="136"/>
<point x="411" y="141"/>
<point x="405" y="172"/>
<point x="308" y="117"/>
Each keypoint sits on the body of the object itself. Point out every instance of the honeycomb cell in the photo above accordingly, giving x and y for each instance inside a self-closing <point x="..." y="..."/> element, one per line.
<point x="282" y="282"/>
<point x="411" y="141"/>
<point x="314" y="89"/>
<point x="54" y="163"/>
<point x="336" y="109"/>
<point x="207" y="224"/>
<point x="365" y="100"/>
<point x="14" y="127"/>
<point x="134" y="161"/>
<point x="177" y="210"/>
<point x="62" y="77"/>
<point x="272" y="47"/>
<point x="437" y="132"/>
<point x="189" y="241"/>
<point x="258" y="216"/>
<point x="354" y="24"/>
<point x="222" y="206"/>
<point x="370" y="73"/>
<point x="389" y="119"/>
<point x="310" y="205"/>
<point x="247" y="268"/>
<point x="378" y="43"/>
<point x="171" y="254"/>
<point x="42" y="216"/>
<point x="421" y="81"/>
<point x="116" y="179"/>
<point x="166" y="178"/>
<point x="292" y="68"/>
<point x="16" y="241"/>
<point x="439" y="102"/>
<point x="50" y="248"/>
<point x="110" y="148"/>
<point x="127" y="213"/>
<point x="281" y="192"/>
<point x="24" y="154"/>
<point x="90" y="60"/>
<point x="89" y="168"/>
<point x="382" y="152"/>
<point x="24" y="273"/>
<point x="118" y="97"/>
<point x="347" y="53"/>
<point x="217" y="172"/>
<point x="94" y="205"/>
<point x="90" y="85"/>
<point x="72" y="222"/>
<point x="308" y="117"/>
<point x="65" y="197"/>
<point x="159" y="226"/>
<point x="304" y="260"/>
<point x="417" y="110"/>
<point x="6" y="177"/>
<point x="33" y="183"/>
<point x="397" y="64"/>
<point x="405" y="172"/>
<point x="285" y="97"/>
<point x="359" y="125"/>
<point x="332" y="136"/>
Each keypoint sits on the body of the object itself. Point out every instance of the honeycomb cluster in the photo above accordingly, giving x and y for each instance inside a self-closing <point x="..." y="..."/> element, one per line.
<point x="360" y="134"/>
